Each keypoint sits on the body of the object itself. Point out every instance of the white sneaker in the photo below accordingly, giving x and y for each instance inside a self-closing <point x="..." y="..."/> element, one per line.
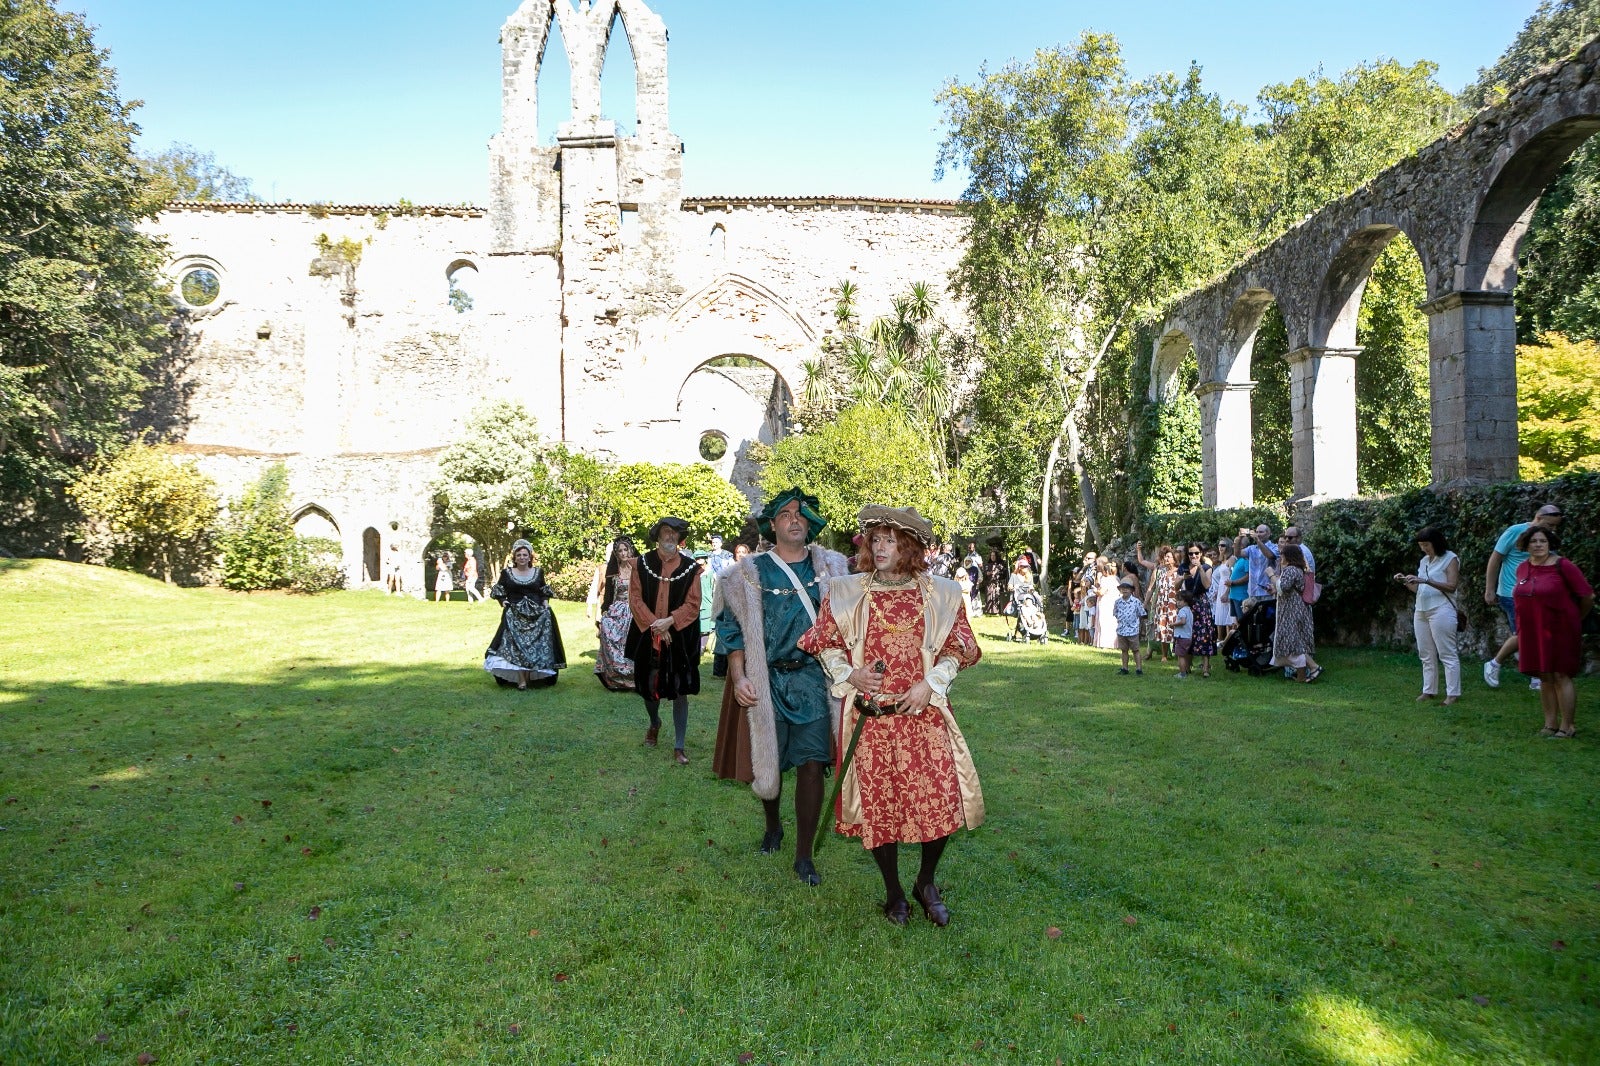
<point x="1533" y="683"/>
<point x="1491" y="674"/>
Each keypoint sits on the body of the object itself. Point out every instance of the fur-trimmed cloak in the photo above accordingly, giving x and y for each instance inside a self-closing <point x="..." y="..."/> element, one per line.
<point x="739" y="591"/>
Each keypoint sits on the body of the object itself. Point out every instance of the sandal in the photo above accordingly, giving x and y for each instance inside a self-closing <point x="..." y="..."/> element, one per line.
<point x="1564" y="734"/>
<point x="1547" y="732"/>
<point x="1313" y="675"/>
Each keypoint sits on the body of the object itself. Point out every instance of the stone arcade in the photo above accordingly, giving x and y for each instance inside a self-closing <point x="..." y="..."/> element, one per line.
<point x="351" y="342"/>
<point x="1465" y="202"/>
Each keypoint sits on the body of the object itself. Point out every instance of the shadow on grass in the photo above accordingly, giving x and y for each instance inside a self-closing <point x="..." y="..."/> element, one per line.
<point x="1247" y="872"/>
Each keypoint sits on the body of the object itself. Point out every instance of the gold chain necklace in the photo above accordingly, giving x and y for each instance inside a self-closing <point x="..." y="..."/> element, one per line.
<point x="690" y="568"/>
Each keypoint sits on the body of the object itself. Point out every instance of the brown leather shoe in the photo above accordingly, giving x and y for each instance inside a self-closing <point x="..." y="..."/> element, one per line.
<point x="650" y="736"/>
<point x="682" y="759"/>
<point x="897" y="911"/>
<point x="932" y="905"/>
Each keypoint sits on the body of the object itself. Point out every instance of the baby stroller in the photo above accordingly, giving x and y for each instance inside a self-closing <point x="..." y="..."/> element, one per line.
<point x="1028" y="612"/>
<point x="1249" y="647"/>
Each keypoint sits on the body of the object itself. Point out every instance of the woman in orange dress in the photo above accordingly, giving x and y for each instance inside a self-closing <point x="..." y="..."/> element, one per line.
<point x="891" y="639"/>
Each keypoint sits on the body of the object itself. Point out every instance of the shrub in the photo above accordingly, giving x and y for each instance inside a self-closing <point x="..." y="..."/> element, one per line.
<point x="572" y="581"/>
<point x="258" y="541"/>
<point x="694" y="492"/>
<point x="1361" y="544"/>
<point x="316" y="564"/>
<point x="144" y="511"/>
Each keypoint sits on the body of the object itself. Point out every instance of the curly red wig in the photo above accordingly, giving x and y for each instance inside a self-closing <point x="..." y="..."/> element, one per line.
<point x="913" y="554"/>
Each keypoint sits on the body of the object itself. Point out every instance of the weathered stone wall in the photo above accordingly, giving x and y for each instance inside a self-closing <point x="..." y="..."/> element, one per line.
<point x="596" y="293"/>
<point x="357" y="376"/>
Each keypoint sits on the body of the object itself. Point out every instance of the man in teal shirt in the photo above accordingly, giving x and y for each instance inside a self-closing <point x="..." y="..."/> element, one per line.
<point x="770" y="600"/>
<point x="1500" y="581"/>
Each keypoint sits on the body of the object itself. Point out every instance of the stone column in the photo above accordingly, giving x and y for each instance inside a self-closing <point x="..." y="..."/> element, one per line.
<point x="1322" y="402"/>
<point x="1472" y="359"/>
<point x="1227" y="463"/>
<point x="592" y="294"/>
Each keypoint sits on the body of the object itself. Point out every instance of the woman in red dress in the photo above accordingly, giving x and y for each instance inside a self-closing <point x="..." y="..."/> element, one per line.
<point x="1551" y="597"/>
<point x="892" y="638"/>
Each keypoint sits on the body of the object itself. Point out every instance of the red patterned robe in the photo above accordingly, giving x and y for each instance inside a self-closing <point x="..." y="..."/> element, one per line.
<point x="905" y="766"/>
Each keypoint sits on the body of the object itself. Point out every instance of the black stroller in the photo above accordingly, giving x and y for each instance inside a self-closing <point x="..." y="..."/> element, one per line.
<point x="1027" y="612"/>
<point x="1249" y="647"/>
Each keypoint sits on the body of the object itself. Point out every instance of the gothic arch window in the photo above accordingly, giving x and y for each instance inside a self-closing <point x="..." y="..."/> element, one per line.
<point x="462" y="278"/>
<point x="718" y="243"/>
<point x="553" y="83"/>
<point x="619" y="91"/>
<point x="313" y="520"/>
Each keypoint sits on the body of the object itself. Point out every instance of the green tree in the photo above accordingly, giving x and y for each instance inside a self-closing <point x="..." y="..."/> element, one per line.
<point x="869" y="453"/>
<point x="1325" y="137"/>
<point x="501" y="481"/>
<point x="1393" y="426"/>
<point x="82" y="306"/>
<point x="180" y="172"/>
<point x="1093" y="198"/>
<point x="1558" y="275"/>
<point x="1558" y="407"/>
<point x="1555" y="30"/>
<point x="694" y="492"/>
<point x="905" y="360"/>
<point x="568" y="511"/>
<point x="257" y="540"/>
<point x="148" y="512"/>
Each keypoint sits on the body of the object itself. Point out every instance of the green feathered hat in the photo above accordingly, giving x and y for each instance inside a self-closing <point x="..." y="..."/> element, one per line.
<point x="808" y="510"/>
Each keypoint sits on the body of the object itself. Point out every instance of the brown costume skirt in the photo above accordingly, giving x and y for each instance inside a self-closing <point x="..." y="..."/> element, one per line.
<point x="730" y="759"/>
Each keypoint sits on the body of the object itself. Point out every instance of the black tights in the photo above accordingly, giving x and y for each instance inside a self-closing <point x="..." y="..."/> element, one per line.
<point x="887" y="856"/>
<point x="807" y="808"/>
<point x="680" y="718"/>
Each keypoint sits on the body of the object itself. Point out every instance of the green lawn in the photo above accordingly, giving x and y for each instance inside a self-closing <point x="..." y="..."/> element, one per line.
<point x="284" y="829"/>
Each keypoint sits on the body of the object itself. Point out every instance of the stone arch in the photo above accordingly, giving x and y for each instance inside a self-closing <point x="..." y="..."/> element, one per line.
<point x="316" y="513"/>
<point x="587" y="33"/>
<point x="732" y="315"/>
<point x="1338" y="299"/>
<point x="619" y="69"/>
<point x="1511" y="191"/>
<point x="1171" y="348"/>
<point x="1237" y="341"/>
<point x="738" y="405"/>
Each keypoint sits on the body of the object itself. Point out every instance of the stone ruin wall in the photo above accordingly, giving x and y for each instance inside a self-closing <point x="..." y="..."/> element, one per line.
<point x="356" y="378"/>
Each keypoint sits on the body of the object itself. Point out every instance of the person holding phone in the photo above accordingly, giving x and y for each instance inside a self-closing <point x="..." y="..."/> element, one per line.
<point x="1434" y="617"/>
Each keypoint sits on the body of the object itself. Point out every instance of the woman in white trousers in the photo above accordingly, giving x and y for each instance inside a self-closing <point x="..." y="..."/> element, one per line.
<point x="1434" y="619"/>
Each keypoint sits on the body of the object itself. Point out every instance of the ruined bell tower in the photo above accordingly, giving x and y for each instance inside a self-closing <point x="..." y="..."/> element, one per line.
<point x="602" y="206"/>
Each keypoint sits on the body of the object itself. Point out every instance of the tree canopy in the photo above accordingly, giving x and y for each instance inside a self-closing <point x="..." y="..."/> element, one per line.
<point x="181" y="172"/>
<point x="82" y="305"/>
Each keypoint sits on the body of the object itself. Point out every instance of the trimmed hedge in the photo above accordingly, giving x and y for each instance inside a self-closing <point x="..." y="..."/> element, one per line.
<point x="1361" y="544"/>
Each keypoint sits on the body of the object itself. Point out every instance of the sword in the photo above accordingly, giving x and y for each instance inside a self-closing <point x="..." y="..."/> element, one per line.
<point x="867" y="707"/>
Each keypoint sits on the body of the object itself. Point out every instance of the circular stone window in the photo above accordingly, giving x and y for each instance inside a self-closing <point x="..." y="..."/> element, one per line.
<point x="199" y="287"/>
<point x="713" y="445"/>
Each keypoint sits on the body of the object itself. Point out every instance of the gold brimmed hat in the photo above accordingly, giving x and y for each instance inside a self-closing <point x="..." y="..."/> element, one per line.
<point x="905" y="518"/>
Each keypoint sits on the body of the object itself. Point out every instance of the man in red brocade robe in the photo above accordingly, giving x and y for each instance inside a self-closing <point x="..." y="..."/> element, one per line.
<point x="892" y="638"/>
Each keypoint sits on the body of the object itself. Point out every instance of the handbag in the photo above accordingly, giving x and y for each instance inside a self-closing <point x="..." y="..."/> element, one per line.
<point x="1461" y="618"/>
<point x="1589" y="624"/>
<point x="1311" y="592"/>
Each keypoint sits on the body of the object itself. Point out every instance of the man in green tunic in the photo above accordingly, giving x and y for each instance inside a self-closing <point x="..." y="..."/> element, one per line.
<point x="771" y="599"/>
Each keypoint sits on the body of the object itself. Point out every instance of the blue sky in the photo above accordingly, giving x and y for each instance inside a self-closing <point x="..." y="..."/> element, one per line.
<point x="351" y="101"/>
